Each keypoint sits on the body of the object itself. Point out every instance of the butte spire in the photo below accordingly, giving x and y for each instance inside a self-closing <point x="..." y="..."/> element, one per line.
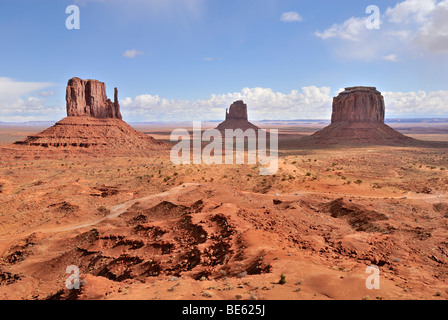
<point x="93" y="124"/>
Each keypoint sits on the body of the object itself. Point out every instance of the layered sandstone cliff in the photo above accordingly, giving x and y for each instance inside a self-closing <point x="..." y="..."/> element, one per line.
<point x="88" y="98"/>
<point x="359" y="104"/>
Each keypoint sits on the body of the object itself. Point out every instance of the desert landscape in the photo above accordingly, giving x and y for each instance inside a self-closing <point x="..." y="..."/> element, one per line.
<point x="208" y="157"/>
<point x="93" y="192"/>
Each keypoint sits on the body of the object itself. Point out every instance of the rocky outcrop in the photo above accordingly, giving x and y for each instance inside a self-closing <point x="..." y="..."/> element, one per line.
<point x="359" y="104"/>
<point x="236" y="118"/>
<point x="88" y="98"/>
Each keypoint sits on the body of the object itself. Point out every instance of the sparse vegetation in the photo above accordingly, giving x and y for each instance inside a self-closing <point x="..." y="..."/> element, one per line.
<point x="380" y="175"/>
<point x="282" y="279"/>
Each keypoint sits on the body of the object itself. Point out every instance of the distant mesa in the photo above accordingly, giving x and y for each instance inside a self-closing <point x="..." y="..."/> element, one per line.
<point x="93" y="123"/>
<point x="236" y="118"/>
<point x="358" y="118"/>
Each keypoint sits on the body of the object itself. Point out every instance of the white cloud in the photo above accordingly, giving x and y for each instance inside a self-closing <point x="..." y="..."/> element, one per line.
<point x="263" y="103"/>
<point x="351" y="29"/>
<point x="416" y="104"/>
<point x="291" y="17"/>
<point x="411" y="11"/>
<point x="391" y="57"/>
<point x="131" y="54"/>
<point x="399" y="34"/>
<point x="410" y="28"/>
<point x="11" y="89"/>
<point x="16" y="104"/>
<point x="433" y="35"/>
<point x="29" y="109"/>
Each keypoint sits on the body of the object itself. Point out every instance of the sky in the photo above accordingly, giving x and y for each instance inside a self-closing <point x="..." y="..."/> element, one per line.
<point x="188" y="60"/>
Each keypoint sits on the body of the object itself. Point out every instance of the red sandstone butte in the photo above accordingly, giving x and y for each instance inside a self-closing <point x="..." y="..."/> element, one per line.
<point x="93" y="124"/>
<point x="236" y="118"/>
<point x="88" y="98"/>
<point x="358" y="118"/>
<point x="359" y="104"/>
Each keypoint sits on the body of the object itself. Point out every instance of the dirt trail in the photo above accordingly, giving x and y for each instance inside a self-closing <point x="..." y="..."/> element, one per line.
<point x="121" y="208"/>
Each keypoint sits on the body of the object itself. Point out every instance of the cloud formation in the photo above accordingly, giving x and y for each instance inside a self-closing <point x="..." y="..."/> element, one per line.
<point x="11" y="89"/>
<point x="18" y="104"/>
<point x="416" y="104"/>
<point x="131" y="54"/>
<point x="352" y="29"/>
<point x="263" y="103"/>
<point x="29" y="109"/>
<point x="391" y="57"/>
<point x="291" y="16"/>
<point x="410" y="28"/>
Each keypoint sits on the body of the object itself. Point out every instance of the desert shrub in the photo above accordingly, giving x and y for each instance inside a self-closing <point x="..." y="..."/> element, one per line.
<point x="282" y="279"/>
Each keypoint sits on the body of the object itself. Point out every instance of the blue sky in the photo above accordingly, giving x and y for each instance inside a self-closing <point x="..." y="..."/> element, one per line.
<point x="189" y="59"/>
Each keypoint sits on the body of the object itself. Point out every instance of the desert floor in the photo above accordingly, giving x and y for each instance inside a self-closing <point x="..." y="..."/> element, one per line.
<point x="144" y="228"/>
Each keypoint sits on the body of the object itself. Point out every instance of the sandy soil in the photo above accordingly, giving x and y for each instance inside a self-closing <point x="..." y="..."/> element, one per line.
<point x="143" y="228"/>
